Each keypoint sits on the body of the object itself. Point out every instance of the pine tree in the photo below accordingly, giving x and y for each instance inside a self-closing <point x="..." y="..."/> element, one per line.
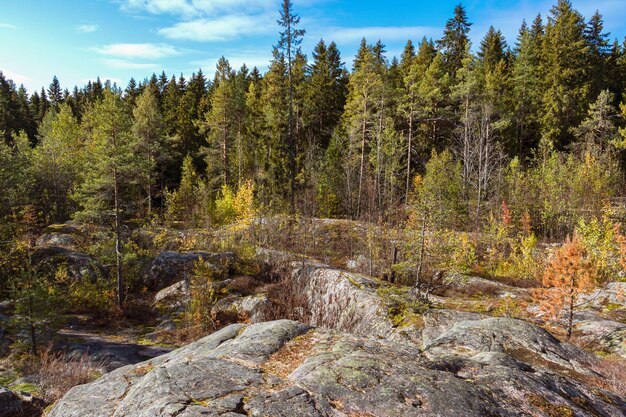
<point x="131" y="92"/>
<point x="598" y="130"/>
<point x="219" y="122"/>
<point x="411" y="102"/>
<point x="15" y="174"/>
<point x="455" y="40"/>
<point x="108" y="171"/>
<point x="492" y="49"/>
<point x="361" y="115"/>
<point x="58" y="161"/>
<point x="149" y="141"/>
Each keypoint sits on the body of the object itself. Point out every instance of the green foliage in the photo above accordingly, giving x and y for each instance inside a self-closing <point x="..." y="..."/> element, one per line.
<point x="202" y="297"/>
<point x="36" y="302"/>
<point x="239" y="206"/>
<point x="440" y="193"/>
<point x="601" y="238"/>
<point x="83" y="295"/>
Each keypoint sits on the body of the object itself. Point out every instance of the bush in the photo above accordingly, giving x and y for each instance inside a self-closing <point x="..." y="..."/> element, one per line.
<point x="56" y="373"/>
<point x="202" y="297"/>
<point x="231" y="206"/>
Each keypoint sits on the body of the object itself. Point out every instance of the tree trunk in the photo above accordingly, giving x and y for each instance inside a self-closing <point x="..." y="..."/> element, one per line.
<point x="118" y="241"/>
<point x="408" y="160"/>
<point x="362" y="169"/>
<point x="33" y="333"/>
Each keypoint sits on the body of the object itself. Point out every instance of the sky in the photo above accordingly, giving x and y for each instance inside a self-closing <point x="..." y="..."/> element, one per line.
<point x="79" y="40"/>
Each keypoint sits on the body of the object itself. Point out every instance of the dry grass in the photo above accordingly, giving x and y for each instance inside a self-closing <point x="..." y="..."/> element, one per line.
<point x="613" y="370"/>
<point x="56" y="373"/>
<point x="291" y="355"/>
<point x="287" y="300"/>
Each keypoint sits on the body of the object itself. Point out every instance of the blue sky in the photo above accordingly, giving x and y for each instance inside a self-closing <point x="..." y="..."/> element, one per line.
<point x="78" y="40"/>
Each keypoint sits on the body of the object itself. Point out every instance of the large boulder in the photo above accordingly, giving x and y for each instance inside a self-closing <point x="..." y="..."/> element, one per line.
<point x="171" y="267"/>
<point x="57" y="239"/>
<point x="285" y="368"/>
<point x="79" y="265"/>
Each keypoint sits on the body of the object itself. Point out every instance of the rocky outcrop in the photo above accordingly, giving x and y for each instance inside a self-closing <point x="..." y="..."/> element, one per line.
<point x="19" y="404"/>
<point x="57" y="239"/>
<point x="612" y="294"/>
<point x="285" y="368"/>
<point x="615" y="342"/>
<point x="352" y="302"/>
<point x="79" y="265"/>
<point x="171" y="267"/>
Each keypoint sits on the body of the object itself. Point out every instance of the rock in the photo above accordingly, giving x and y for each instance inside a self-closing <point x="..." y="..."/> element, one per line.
<point x="517" y="338"/>
<point x="176" y="295"/>
<point x="348" y="302"/>
<point x="250" y="309"/>
<point x="612" y="294"/>
<point x="19" y="404"/>
<point x="57" y="239"/>
<point x="438" y="321"/>
<point x="615" y="342"/>
<point x="171" y="267"/>
<point x="590" y="326"/>
<point x="79" y="265"/>
<point x="284" y="368"/>
<point x="358" y="264"/>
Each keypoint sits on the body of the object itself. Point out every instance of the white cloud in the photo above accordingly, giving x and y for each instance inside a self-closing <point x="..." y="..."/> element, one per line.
<point x="123" y="64"/>
<point x="7" y="26"/>
<point x="138" y="50"/>
<point x="87" y="28"/>
<point x="195" y="8"/>
<point x="16" y="77"/>
<point x="384" y="33"/>
<point x="219" y="29"/>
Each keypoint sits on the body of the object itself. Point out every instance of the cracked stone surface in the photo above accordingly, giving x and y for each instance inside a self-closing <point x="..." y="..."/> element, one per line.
<point x="476" y="367"/>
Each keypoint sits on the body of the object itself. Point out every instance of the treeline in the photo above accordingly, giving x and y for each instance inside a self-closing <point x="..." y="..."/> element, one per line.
<point x="536" y="124"/>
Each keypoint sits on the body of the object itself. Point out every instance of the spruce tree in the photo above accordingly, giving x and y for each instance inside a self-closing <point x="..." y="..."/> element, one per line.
<point x="289" y="44"/>
<point x="55" y="94"/>
<point x="527" y="88"/>
<point x="598" y="54"/>
<point x="564" y="62"/>
<point x="325" y="94"/>
<point x="455" y="40"/>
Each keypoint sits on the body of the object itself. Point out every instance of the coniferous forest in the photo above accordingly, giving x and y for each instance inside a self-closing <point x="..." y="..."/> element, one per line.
<point x="483" y="178"/>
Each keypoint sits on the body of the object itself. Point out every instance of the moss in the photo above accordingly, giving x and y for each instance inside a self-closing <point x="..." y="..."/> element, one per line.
<point x="551" y="410"/>
<point x="354" y="282"/>
<point x="613" y="306"/>
<point x="202" y="403"/>
<point x="6" y="378"/>
<point x="29" y="388"/>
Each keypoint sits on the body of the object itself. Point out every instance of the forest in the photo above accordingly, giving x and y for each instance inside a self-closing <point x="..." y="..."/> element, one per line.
<point x="503" y="160"/>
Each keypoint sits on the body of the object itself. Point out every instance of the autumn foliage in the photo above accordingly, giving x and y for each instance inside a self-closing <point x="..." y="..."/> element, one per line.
<point x="570" y="273"/>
